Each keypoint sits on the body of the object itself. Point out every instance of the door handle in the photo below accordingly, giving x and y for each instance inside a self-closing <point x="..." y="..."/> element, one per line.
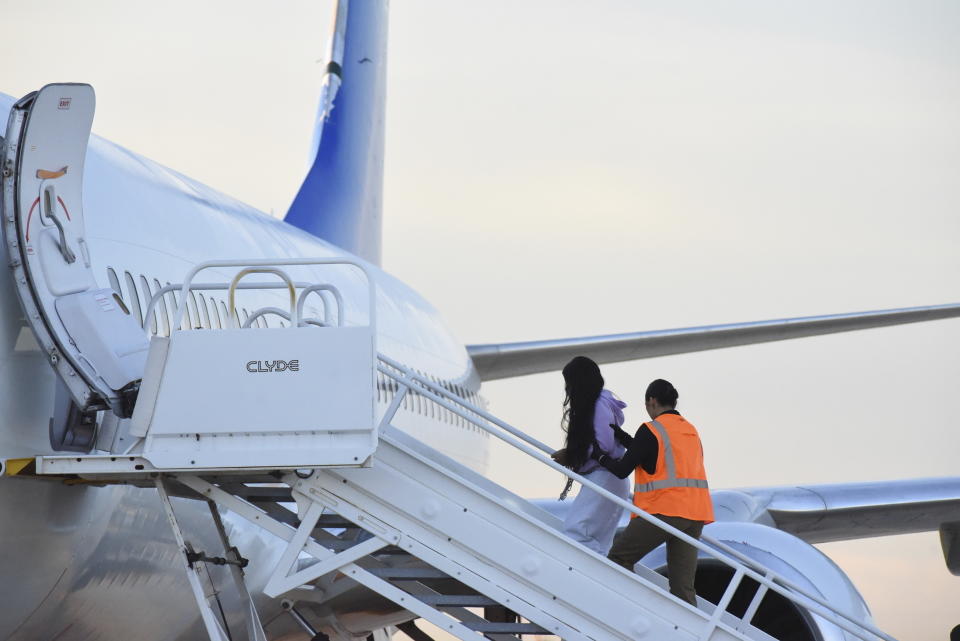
<point x="49" y="200"/>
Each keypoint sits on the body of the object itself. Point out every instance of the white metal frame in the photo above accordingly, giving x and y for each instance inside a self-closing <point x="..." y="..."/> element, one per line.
<point x="298" y="542"/>
<point x="166" y="289"/>
<point x="197" y="573"/>
<point x="273" y="265"/>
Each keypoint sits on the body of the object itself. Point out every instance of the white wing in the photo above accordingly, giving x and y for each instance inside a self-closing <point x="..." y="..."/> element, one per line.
<point x="843" y="511"/>
<point x="504" y="360"/>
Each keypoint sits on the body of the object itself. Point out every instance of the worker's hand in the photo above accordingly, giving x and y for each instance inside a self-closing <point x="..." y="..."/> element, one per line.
<point x="560" y="456"/>
<point x="622" y="437"/>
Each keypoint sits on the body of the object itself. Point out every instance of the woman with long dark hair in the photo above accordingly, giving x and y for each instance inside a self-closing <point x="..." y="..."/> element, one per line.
<point x="589" y="411"/>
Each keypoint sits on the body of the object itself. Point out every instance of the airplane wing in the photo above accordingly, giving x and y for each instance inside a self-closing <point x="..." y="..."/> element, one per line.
<point x="504" y="360"/>
<point x="843" y="511"/>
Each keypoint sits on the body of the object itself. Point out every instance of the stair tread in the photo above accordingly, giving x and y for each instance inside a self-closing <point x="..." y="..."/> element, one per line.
<point x="466" y="600"/>
<point x="408" y="573"/>
<point x="494" y="627"/>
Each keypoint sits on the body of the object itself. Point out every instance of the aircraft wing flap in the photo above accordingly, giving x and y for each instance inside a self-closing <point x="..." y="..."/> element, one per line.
<point x="504" y="360"/>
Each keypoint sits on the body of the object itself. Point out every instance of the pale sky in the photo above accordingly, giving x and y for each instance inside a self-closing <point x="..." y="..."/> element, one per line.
<point x="566" y="168"/>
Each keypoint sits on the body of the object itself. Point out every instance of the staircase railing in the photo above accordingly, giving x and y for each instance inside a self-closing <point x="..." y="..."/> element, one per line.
<point x="742" y="565"/>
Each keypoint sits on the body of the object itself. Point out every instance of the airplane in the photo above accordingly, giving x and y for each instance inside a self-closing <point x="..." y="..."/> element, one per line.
<point x="105" y="531"/>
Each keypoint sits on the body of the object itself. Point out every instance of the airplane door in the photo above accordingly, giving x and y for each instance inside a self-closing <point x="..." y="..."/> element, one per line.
<point x="96" y="347"/>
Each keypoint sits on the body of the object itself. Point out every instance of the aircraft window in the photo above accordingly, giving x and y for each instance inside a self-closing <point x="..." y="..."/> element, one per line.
<point x="147" y="296"/>
<point x="114" y="281"/>
<point x="163" y="312"/>
<point x="204" y="314"/>
<point x="224" y="316"/>
<point x="134" y="299"/>
<point x="194" y="312"/>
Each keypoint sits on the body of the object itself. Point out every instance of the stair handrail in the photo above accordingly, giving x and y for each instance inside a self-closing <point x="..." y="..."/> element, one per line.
<point x="337" y="296"/>
<point x="175" y="287"/>
<point x="232" y="294"/>
<point x="276" y="263"/>
<point x="742" y="564"/>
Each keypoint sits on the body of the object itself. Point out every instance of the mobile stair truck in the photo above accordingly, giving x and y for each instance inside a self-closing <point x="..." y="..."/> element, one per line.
<point x="301" y="429"/>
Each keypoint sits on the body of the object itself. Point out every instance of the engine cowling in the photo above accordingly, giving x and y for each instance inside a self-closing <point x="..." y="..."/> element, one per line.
<point x="793" y="559"/>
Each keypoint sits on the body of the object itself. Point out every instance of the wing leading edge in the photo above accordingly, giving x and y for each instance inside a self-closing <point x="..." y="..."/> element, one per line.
<point x="505" y="360"/>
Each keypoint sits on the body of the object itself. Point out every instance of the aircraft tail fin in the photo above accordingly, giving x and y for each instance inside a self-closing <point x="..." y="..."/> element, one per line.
<point x="341" y="199"/>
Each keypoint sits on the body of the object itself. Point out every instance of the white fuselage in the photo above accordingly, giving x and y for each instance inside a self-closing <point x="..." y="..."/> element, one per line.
<point x="99" y="562"/>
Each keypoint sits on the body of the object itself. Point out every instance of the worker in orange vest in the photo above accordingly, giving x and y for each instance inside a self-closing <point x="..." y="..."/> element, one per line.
<point x="670" y="483"/>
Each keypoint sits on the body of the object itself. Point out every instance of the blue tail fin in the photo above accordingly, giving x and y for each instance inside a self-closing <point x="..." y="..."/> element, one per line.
<point x="341" y="199"/>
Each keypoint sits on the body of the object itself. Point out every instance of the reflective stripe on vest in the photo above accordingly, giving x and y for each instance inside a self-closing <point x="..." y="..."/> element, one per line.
<point x="671" y="466"/>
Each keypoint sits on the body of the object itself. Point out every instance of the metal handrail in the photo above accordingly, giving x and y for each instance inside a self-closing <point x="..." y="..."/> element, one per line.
<point x="188" y="285"/>
<point x="276" y="311"/>
<point x="275" y="263"/>
<point x="326" y="308"/>
<point x="742" y="565"/>
<point x="232" y="293"/>
<point x="166" y="289"/>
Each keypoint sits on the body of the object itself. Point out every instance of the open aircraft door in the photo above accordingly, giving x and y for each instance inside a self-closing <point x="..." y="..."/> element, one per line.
<point x="86" y="332"/>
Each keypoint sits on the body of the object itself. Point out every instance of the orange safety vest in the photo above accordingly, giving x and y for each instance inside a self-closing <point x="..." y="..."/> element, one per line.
<point x="678" y="487"/>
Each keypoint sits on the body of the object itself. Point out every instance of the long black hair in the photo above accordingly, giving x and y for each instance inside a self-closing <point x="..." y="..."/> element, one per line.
<point x="583" y="384"/>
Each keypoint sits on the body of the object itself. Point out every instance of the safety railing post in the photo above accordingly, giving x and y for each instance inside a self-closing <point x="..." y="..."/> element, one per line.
<point x="755" y="601"/>
<point x="723" y="604"/>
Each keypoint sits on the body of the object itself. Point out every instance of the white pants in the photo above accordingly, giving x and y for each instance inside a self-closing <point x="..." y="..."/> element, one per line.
<point x="593" y="519"/>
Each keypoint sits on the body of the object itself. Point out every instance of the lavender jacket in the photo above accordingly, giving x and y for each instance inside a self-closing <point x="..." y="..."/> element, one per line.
<point x="607" y="410"/>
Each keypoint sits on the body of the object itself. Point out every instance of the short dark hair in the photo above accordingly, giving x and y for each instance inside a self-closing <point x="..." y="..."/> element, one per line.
<point x="663" y="391"/>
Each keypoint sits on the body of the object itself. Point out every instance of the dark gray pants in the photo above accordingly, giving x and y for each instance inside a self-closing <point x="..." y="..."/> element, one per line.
<point x="640" y="537"/>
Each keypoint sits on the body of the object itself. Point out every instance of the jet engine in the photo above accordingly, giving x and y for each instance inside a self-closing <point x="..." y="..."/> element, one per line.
<point x="794" y="560"/>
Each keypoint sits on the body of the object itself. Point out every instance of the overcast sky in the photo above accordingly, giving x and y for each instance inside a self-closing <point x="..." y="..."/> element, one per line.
<point x="565" y="168"/>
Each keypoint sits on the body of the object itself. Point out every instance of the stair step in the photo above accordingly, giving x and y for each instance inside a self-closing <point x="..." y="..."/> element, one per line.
<point x="262" y="494"/>
<point x="461" y="600"/>
<point x="335" y="521"/>
<point x="491" y="627"/>
<point x="408" y="574"/>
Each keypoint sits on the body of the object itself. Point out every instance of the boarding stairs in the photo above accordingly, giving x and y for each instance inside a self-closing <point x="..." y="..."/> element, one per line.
<point x="358" y="503"/>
